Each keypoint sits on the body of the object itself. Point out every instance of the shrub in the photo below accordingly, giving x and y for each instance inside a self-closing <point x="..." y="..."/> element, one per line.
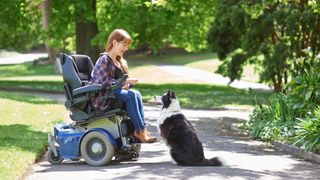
<point x="295" y="116"/>
<point x="274" y="121"/>
<point x="308" y="131"/>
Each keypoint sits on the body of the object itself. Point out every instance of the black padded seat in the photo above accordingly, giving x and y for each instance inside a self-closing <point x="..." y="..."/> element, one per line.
<point x="84" y="67"/>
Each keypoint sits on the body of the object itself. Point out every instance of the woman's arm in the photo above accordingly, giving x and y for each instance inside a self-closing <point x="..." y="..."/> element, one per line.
<point x="103" y="72"/>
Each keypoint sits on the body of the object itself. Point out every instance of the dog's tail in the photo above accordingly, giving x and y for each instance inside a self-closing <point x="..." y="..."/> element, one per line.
<point x="211" y="162"/>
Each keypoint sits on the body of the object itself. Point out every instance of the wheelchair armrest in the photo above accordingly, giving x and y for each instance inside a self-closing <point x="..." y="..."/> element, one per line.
<point x="87" y="88"/>
<point x="120" y="82"/>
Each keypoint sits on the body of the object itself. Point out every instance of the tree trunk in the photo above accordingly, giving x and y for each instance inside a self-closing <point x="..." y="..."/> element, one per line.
<point x="86" y="30"/>
<point x="46" y="13"/>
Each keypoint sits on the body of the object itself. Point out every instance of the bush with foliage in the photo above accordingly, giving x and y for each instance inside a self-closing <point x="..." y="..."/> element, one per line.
<point x="275" y="121"/>
<point x="293" y="117"/>
<point x="308" y="131"/>
<point x="271" y="35"/>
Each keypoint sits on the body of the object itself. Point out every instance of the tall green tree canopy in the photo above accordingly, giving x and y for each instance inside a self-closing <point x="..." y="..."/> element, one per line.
<point x="152" y="23"/>
<point x="271" y="34"/>
<point x="20" y="24"/>
<point x="181" y="23"/>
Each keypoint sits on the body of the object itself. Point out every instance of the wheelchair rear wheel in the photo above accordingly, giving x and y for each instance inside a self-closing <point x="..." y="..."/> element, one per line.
<point x="96" y="149"/>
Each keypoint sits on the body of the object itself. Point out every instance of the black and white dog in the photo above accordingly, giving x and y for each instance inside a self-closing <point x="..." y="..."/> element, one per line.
<point x="179" y="134"/>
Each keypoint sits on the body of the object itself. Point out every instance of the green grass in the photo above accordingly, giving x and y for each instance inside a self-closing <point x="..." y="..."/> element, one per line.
<point x="26" y="69"/>
<point x="204" y="96"/>
<point x="29" y="77"/>
<point x="206" y="61"/>
<point x="50" y="86"/>
<point x="200" y="96"/>
<point x="174" y="59"/>
<point x="24" y="124"/>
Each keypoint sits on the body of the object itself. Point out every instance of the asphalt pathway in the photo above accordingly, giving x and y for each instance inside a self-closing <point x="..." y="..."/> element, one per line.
<point x="17" y="58"/>
<point x="243" y="157"/>
<point x="196" y="75"/>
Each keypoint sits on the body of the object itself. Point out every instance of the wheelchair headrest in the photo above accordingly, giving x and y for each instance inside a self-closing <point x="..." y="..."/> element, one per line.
<point x="70" y="71"/>
<point x="84" y="66"/>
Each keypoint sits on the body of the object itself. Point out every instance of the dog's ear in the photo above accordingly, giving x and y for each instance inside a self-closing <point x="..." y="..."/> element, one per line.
<point x="166" y="99"/>
<point x="172" y="95"/>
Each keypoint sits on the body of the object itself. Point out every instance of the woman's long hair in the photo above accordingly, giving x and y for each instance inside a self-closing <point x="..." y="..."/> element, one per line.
<point x="119" y="35"/>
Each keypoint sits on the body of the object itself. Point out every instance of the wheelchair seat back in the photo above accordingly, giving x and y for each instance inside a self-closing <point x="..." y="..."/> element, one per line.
<point x="77" y="104"/>
<point x="76" y="72"/>
<point x="84" y="67"/>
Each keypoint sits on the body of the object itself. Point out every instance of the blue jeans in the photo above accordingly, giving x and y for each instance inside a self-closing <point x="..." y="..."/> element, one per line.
<point x="133" y="102"/>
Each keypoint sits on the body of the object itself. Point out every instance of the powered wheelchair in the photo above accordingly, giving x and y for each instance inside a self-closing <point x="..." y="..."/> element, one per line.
<point x="94" y="135"/>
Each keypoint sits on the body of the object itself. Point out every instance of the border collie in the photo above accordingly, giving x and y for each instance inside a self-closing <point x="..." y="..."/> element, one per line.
<point x="180" y="136"/>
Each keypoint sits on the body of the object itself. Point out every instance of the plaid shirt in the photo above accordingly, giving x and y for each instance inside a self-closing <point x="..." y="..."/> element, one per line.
<point x="103" y="73"/>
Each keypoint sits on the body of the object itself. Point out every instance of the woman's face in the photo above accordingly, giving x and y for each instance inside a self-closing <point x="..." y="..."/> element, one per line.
<point x="120" y="47"/>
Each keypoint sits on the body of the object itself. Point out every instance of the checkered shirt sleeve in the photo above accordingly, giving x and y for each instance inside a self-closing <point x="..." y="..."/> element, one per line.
<point x="103" y="72"/>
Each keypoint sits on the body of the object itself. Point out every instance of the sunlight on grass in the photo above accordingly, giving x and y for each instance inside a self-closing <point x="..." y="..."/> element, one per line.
<point x="177" y="59"/>
<point x="26" y="69"/>
<point x="35" y="78"/>
<point x="206" y="61"/>
<point x="24" y="123"/>
<point x="5" y="53"/>
<point x="206" y="65"/>
<point x="204" y="96"/>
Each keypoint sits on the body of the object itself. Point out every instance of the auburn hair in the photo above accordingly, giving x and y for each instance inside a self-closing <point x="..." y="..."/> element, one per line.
<point x="120" y="35"/>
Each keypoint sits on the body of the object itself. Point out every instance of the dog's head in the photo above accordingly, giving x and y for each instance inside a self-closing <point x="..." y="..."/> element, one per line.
<point x="170" y="101"/>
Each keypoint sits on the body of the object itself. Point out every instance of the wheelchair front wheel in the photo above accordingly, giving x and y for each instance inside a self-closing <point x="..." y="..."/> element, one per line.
<point x="96" y="149"/>
<point x="52" y="159"/>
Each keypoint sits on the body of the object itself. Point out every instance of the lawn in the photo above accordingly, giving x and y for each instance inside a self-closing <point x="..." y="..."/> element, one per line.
<point x="24" y="124"/>
<point x="152" y="81"/>
<point x="139" y="67"/>
<point x="206" y="61"/>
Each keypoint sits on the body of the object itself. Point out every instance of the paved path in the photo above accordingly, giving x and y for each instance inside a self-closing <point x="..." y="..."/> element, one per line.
<point x="192" y="74"/>
<point x="244" y="158"/>
<point x="18" y="58"/>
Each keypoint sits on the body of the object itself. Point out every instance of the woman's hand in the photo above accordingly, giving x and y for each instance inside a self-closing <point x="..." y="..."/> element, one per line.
<point x="132" y="81"/>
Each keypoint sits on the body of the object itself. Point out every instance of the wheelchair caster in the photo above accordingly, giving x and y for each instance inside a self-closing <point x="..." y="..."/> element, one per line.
<point x="123" y="157"/>
<point x="134" y="155"/>
<point x="53" y="159"/>
<point x="75" y="159"/>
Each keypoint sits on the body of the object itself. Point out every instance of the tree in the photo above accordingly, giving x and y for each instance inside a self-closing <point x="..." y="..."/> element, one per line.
<point x="271" y="34"/>
<point x="86" y="28"/>
<point x="179" y="23"/>
<point x="84" y="25"/>
<point x="20" y="25"/>
<point x="46" y="13"/>
<point x="73" y="26"/>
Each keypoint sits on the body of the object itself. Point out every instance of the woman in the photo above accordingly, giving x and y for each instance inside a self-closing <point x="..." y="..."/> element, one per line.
<point x="111" y="66"/>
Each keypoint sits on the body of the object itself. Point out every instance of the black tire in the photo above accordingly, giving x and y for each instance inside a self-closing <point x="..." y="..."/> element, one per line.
<point x="96" y="149"/>
<point x="52" y="159"/>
